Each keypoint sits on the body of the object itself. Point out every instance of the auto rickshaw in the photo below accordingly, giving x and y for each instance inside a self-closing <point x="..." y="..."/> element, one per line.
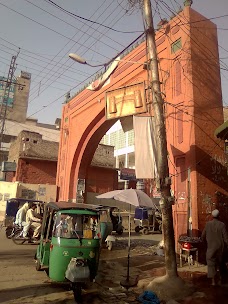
<point x="69" y="246"/>
<point x="12" y="206"/>
<point x="148" y="219"/>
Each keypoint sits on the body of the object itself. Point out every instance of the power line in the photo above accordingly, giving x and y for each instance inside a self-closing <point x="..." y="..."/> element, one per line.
<point x="84" y="32"/>
<point x="40" y="55"/>
<point x="196" y="42"/>
<point x="68" y="60"/>
<point x="68" y="38"/>
<point x="189" y="23"/>
<point x="91" y="21"/>
<point x="75" y="43"/>
<point x="63" y="76"/>
<point x="50" y="103"/>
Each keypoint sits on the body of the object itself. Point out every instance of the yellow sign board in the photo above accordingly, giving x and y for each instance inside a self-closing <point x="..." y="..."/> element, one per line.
<point x="125" y="101"/>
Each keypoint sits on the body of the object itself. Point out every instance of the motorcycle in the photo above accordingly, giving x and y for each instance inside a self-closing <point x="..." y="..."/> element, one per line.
<point x="18" y="238"/>
<point x="12" y="206"/>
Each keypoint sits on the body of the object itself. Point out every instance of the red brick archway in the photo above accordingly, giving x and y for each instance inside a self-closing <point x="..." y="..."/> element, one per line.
<point x="193" y="111"/>
<point x="86" y="148"/>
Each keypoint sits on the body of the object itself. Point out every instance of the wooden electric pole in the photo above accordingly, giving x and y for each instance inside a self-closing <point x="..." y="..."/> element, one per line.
<point x="163" y="178"/>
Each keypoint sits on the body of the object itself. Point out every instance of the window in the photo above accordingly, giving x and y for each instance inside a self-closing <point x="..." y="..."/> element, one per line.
<point x="131" y="139"/>
<point x="176" y="45"/>
<point x="122" y="139"/>
<point x="76" y="226"/>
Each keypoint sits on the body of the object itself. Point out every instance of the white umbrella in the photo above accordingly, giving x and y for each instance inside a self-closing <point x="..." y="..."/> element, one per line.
<point x="133" y="197"/>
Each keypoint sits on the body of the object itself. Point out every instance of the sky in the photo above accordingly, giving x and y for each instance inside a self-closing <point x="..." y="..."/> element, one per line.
<point x="46" y="34"/>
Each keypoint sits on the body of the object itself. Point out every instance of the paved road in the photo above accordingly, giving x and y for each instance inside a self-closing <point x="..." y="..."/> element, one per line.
<point x="21" y="283"/>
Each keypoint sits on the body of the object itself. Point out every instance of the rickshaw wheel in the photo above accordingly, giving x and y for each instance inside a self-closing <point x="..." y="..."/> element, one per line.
<point x="38" y="265"/>
<point x="77" y="290"/>
<point x="145" y="231"/>
<point x="17" y="239"/>
<point x="137" y="229"/>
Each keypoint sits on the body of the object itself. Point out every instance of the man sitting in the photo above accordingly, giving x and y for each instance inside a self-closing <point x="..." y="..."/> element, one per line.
<point x="21" y="216"/>
<point x="33" y="220"/>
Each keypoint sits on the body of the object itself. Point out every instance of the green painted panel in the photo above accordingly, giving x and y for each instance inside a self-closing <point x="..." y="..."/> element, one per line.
<point x="65" y="249"/>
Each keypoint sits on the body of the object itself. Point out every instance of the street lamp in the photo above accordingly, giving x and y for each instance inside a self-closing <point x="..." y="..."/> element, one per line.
<point x="81" y="60"/>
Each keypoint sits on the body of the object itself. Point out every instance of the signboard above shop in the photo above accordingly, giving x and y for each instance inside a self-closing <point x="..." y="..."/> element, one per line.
<point x="125" y="101"/>
<point x="4" y="92"/>
<point x="9" y="166"/>
<point x="127" y="174"/>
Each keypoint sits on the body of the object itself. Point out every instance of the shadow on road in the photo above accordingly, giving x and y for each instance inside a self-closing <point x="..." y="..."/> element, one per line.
<point x="21" y="258"/>
<point x="31" y="290"/>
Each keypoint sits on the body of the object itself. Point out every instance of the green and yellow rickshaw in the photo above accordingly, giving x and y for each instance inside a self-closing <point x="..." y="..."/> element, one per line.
<point x="69" y="246"/>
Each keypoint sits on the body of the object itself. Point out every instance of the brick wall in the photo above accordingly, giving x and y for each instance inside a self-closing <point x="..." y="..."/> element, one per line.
<point x="104" y="156"/>
<point x="101" y="180"/>
<point x="30" y="144"/>
<point x="36" y="171"/>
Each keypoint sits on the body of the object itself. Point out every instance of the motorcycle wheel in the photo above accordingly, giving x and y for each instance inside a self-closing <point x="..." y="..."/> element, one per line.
<point x="137" y="229"/>
<point x="17" y="238"/>
<point x="77" y="290"/>
<point x="120" y="231"/>
<point x="9" y="231"/>
<point x="145" y="231"/>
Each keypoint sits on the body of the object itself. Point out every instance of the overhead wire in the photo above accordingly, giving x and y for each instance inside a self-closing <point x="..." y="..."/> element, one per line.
<point x="209" y="58"/>
<point x="216" y="144"/>
<point x="55" y="100"/>
<point x="70" y="24"/>
<point x="182" y="66"/>
<point x="189" y="23"/>
<point x="40" y="56"/>
<point x="63" y="64"/>
<point x="91" y="21"/>
<point x="70" y="79"/>
<point x="68" y="38"/>
<point x="68" y="59"/>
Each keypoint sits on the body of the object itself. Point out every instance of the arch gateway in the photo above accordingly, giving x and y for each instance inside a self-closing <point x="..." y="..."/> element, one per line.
<point x="193" y="110"/>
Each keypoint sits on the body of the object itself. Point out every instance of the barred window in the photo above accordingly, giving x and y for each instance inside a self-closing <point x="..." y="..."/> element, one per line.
<point x="131" y="138"/>
<point x="122" y="139"/>
<point x="113" y="139"/>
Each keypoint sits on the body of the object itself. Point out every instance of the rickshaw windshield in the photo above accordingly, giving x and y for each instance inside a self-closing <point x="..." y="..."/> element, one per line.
<point x="76" y="226"/>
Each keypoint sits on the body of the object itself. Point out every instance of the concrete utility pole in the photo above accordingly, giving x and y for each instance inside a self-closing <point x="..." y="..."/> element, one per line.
<point x="162" y="157"/>
<point x="4" y="104"/>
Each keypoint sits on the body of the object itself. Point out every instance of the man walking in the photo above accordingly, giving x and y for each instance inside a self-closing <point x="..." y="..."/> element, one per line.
<point x="216" y="236"/>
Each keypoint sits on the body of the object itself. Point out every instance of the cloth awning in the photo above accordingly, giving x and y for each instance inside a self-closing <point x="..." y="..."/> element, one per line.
<point x="222" y="131"/>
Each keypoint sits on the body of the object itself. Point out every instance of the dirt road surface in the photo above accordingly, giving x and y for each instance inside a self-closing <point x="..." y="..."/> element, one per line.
<point x="21" y="283"/>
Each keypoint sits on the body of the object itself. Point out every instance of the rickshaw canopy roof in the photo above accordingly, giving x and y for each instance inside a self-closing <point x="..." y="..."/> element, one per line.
<point x="72" y="206"/>
<point x="24" y="200"/>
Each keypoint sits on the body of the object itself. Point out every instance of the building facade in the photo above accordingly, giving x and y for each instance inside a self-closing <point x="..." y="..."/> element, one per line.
<point x="35" y="158"/>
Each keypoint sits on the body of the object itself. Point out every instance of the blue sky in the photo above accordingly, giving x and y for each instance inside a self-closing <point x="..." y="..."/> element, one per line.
<point x="46" y="35"/>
